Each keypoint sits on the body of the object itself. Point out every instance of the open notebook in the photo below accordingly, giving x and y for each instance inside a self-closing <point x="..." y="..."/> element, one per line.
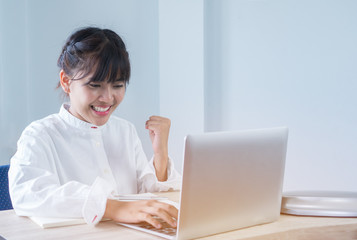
<point x="46" y="222"/>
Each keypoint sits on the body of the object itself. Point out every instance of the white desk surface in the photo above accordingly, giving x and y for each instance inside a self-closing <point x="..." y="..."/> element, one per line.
<point x="13" y="227"/>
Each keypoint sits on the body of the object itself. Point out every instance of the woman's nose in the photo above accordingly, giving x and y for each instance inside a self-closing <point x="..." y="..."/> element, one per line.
<point x="106" y="94"/>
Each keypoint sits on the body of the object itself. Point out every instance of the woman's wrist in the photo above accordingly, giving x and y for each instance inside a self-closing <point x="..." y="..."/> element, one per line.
<point x="110" y="208"/>
<point x="161" y="164"/>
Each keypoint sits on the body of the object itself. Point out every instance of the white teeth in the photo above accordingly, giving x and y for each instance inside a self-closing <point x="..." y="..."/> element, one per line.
<point x="100" y="109"/>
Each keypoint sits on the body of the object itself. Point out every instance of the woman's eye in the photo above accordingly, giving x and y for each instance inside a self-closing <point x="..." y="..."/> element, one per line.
<point x="94" y="85"/>
<point x="118" y="86"/>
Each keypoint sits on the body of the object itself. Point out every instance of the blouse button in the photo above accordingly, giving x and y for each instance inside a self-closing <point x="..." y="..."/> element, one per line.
<point x="97" y="144"/>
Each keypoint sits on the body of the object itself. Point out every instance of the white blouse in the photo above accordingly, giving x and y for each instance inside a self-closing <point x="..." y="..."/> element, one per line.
<point x="65" y="167"/>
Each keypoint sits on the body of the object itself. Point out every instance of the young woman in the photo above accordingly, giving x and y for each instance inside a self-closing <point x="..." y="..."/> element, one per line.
<point x="71" y="164"/>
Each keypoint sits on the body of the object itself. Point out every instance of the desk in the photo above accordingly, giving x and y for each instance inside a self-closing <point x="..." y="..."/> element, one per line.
<point x="13" y="227"/>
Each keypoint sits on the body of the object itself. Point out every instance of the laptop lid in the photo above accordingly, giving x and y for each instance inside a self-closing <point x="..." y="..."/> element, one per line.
<point x="231" y="180"/>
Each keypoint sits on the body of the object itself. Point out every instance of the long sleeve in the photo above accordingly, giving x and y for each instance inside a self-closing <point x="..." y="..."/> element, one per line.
<point x="37" y="190"/>
<point x="34" y="186"/>
<point x="150" y="183"/>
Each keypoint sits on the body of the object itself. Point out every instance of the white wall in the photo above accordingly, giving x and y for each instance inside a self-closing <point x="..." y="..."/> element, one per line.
<point x="181" y="60"/>
<point x="293" y="63"/>
<point x="13" y="75"/>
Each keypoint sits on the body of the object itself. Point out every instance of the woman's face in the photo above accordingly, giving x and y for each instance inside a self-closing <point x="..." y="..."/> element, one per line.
<point x="96" y="101"/>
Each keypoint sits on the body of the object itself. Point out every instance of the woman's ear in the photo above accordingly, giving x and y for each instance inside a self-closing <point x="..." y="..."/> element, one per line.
<point x="65" y="81"/>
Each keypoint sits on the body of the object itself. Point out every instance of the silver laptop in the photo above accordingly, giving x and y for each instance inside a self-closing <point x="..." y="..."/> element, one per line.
<point x="231" y="180"/>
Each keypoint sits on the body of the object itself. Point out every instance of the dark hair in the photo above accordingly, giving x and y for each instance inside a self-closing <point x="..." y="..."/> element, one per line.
<point x="101" y="50"/>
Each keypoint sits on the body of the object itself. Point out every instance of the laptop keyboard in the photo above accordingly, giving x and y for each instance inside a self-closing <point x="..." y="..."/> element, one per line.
<point x="165" y="229"/>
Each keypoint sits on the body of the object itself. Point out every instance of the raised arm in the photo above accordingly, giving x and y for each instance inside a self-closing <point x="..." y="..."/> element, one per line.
<point x="159" y="128"/>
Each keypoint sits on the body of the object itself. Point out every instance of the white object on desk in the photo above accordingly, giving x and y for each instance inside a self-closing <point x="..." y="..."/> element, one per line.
<point x="320" y="203"/>
<point x="46" y="222"/>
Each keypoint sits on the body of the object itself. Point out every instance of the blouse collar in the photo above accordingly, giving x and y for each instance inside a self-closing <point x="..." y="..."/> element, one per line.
<point x="74" y="121"/>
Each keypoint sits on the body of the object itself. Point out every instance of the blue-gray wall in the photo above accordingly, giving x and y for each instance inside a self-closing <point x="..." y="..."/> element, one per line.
<point x="292" y="63"/>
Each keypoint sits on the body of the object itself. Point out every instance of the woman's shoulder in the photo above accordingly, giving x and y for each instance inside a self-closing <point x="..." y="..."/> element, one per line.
<point x="42" y="125"/>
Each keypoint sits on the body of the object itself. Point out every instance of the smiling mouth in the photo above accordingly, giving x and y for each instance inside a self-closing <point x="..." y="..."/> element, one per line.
<point x="100" y="109"/>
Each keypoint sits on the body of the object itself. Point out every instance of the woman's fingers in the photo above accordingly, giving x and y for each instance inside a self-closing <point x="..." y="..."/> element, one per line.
<point x="146" y="217"/>
<point x="142" y="211"/>
<point x="166" y="212"/>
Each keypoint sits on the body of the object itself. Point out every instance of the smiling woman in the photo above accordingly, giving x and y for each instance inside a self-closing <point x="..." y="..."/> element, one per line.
<point x="90" y="101"/>
<point x="95" y="68"/>
<point x="71" y="164"/>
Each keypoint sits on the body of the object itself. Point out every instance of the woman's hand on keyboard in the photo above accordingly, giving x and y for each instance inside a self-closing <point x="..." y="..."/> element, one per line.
<point x="141" y="211"/>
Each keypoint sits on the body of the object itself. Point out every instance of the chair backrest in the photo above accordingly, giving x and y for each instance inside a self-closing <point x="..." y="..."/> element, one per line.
<point x="5" y="201"/>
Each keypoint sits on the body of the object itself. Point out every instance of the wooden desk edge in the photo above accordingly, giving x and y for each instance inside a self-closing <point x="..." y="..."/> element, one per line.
<point x="287" y="227"/>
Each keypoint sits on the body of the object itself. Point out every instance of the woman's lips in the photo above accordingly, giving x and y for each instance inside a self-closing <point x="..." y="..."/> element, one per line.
<point x="103" y="110"/>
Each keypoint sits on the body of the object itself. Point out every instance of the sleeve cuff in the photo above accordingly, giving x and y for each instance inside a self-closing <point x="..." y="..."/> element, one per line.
<point x="95" y="204"/>
<point x="152" y="184"/>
